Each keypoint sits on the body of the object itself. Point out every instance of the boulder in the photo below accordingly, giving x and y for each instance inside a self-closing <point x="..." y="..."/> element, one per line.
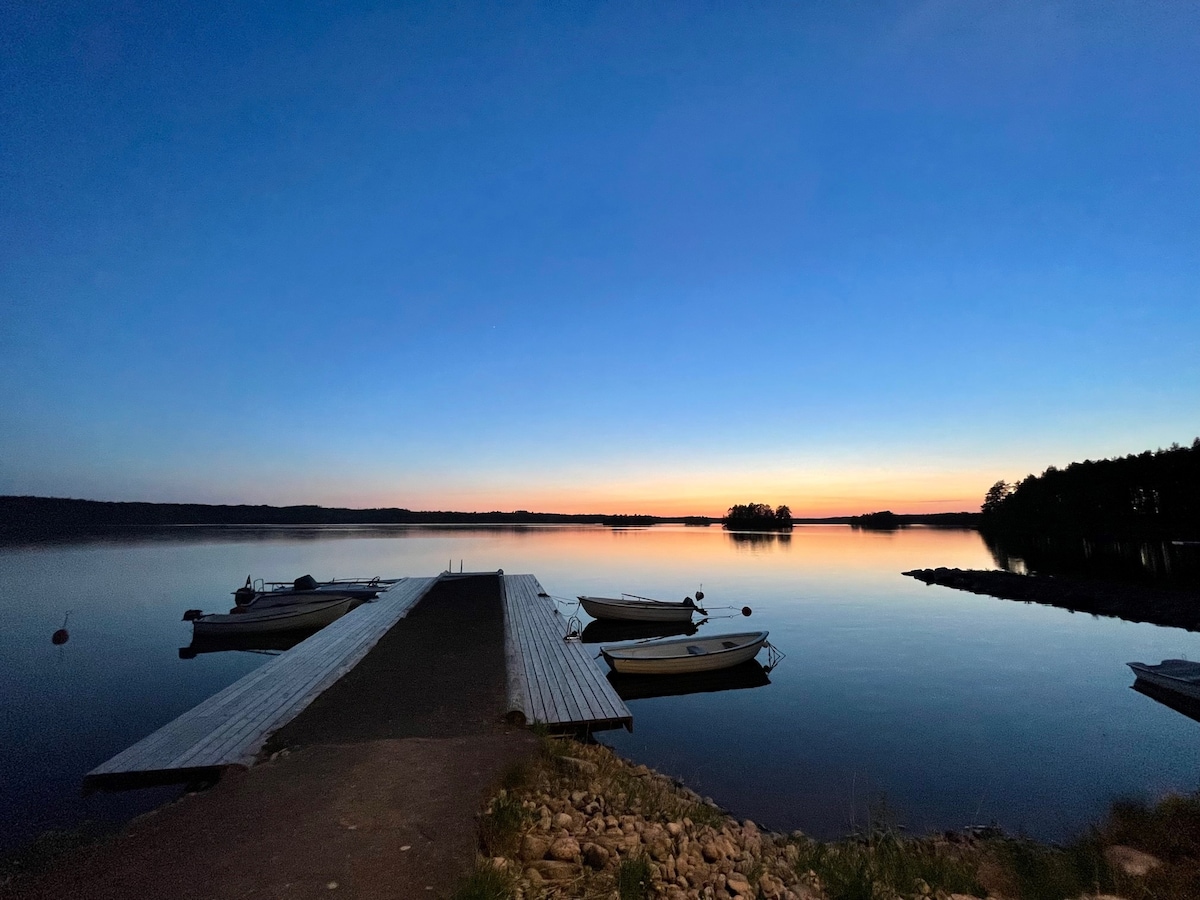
<point x="554" y="870"/>
<point x="534" y="847"/>
<point x="595" y="856"/>
<point x="565" y="849"/>
<point x="1130" y="861"/>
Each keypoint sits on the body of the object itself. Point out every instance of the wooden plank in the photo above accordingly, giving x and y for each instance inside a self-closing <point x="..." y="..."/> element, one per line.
<point x="231" y="726"/>
<point x="519" y="705"/>
<point x="547" y="711"/>
<point x="542" y="700"/>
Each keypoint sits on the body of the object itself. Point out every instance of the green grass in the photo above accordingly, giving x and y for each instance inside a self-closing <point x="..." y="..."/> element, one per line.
<point x="886" y="864"/>
<point x="485" y="883"/>
<point x="501" y="825"/>
<point x="1033" y="871"/>
<point x="633" y="878"/>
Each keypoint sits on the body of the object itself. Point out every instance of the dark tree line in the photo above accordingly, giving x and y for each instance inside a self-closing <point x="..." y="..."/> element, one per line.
<point x="758" y="517"/>
<point x="62" y="514"/>
<point x="1152" y="493"/>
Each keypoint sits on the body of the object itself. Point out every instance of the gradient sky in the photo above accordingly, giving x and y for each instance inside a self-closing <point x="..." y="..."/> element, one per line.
<point x="638" y="257"/>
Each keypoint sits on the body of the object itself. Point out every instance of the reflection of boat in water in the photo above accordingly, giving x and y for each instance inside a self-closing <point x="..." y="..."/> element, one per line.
<point x="689" y="654"/>
<point x="1180" y="676"/>
<point x="632" y="608"/>
<point x="601" y="631"/>
<point x="1178" y="702"/>
<point x="249" y="620"/>
<point x="277" y="641"/>
<point x="640" y="687"/>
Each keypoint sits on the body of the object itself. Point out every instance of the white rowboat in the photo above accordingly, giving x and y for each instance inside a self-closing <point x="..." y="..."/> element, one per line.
<point x="630" y="608"/>
<point x="1177" y="675"/>
<point x="296" y="617"/>
<point x="690" y="654"/>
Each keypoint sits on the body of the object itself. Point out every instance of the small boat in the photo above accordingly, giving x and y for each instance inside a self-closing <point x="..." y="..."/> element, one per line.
<point x="293" y="617"/>
<point x="690" y="654"/>
<point x="632" y="608"/>
<point x="1178" y="675"/>
<point x="306" y="589"/>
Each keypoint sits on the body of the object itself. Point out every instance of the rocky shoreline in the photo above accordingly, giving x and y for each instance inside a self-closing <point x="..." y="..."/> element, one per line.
<point x="1131" y="602"/>
<point x="585" y="823"/>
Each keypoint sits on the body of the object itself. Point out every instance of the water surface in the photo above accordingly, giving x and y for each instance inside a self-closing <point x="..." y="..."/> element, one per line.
<point x="949" y="708"/>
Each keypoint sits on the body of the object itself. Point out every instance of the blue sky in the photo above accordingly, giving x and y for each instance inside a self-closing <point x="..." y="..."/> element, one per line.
<point x="593" y="257"/>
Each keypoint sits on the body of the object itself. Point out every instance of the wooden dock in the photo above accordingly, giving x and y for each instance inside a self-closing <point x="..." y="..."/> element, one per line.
<point x="551" y="680"/>
<point x="229" y="728"/>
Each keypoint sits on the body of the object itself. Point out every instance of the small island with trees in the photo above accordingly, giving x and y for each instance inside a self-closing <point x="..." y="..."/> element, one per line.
<point x="758" y="517"/>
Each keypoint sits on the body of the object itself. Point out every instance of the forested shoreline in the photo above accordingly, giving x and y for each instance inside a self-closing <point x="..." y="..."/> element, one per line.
<point x="1150" y="494"/>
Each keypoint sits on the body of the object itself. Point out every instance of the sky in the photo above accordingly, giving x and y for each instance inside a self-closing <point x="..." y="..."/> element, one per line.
<point x="593" y="257"/>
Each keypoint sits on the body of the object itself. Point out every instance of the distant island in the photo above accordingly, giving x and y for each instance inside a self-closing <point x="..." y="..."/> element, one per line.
<point x="47" y="515"/>
<point x="758" y="517"/>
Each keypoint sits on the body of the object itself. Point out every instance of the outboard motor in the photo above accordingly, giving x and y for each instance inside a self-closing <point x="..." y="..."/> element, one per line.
<point x="305" y="583"/>
<point x="244" y="595"/>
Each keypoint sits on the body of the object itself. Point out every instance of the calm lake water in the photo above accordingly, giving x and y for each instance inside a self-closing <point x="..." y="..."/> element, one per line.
<point x="948" y="708"/>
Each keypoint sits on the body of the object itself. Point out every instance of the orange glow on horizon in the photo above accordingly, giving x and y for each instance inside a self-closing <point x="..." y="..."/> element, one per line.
<point x="843" y="497"/>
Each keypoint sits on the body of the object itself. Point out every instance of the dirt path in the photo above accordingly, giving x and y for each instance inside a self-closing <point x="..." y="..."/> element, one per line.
<point x="375" y="798"/>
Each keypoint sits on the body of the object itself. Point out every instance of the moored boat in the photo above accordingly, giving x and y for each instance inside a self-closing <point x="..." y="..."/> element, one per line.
<point x="306" y="589"/>
<point x="632" y="608"/>
<point x="293" y="617"/>
<point x="1180" y="676"/>
<point x="680" y="655"/>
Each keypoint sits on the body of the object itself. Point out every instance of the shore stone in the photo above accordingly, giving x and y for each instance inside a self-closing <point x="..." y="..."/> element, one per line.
<point x="534" y="847"/>
<point x="562" y="820"/>
<point x="1130" y="861"/>
<point x="555" y="870"/>
<point x="585" y="766"/>
<point x="595" y="856"/>
<point x="565" y="849"/>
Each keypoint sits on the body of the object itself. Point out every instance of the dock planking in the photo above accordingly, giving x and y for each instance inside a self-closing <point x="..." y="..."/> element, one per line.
<point x="229" y="728"/>
<point x="551" y="680"/>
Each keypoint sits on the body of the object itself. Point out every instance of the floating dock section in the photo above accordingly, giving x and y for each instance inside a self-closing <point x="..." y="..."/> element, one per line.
<point x="230" y="727"/>
<point x="551" y="680"/>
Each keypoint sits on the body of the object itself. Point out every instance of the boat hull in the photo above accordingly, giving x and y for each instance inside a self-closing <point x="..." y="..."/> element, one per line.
<point x="610" y="608"/>
<point x="308" y="616"/>
<point x="686" y="655"/>
<point x="1176" y="675"/>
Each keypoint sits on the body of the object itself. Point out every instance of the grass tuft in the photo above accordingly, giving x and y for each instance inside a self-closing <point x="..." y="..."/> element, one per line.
<point x="501" y="825"/>
<point x="885" y="864"/>
<point x="633" y="878"/>
<point x="485" y="883"/>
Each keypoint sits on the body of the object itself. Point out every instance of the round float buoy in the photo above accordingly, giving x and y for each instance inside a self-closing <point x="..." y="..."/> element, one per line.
<point x="61" y="636"/>
<point x="746" y="610"/>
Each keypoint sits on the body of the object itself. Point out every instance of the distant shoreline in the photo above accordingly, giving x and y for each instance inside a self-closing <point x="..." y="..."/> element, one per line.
<point x="53" y="515"/>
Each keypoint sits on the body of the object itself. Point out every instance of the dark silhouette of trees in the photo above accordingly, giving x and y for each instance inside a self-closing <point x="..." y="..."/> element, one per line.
<point x="885" y="520"/>
<point x="1149" y="494"/>
<point x="758" y="517"/>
